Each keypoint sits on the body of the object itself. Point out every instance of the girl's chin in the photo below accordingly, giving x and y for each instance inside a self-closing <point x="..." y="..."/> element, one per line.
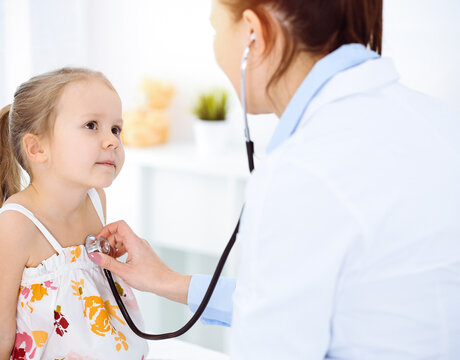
<point x="102" y="183"/>
<point x="105" y="184"/>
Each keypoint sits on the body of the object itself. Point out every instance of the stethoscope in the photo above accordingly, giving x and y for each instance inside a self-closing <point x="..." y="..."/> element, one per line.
<point x="94" y="244"/>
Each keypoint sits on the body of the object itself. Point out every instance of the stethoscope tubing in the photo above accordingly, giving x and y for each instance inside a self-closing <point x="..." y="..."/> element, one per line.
<point x="199" y="311"/>
<point x="226" y="252"/>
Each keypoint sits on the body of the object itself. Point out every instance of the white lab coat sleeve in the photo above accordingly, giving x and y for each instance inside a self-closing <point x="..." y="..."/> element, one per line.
<point x="297" y="232"/>
<point x="220" y="307"/>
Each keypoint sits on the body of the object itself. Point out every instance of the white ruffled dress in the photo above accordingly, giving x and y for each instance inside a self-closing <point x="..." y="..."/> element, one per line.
<point x="66" y="309"/>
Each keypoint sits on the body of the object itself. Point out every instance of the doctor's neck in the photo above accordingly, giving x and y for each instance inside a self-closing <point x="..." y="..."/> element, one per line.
<point x="281" y="92"/>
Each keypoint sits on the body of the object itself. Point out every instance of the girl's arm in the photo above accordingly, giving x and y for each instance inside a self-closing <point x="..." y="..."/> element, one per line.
<point x="15" y="236"/>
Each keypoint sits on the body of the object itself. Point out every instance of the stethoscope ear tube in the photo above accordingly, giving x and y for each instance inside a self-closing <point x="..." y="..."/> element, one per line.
<point x="198" y="312"/>
<point x="250" y="152"/>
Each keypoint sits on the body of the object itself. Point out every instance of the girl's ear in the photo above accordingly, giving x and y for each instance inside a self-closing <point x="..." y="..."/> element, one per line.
<point x="34" y="148"/>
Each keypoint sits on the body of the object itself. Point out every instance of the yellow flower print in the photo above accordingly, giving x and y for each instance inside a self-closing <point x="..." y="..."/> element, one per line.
<point x="121" y="341"/>
<point x="101" y="312"/>
<point x="78" y="288"/>
<point x="38" y="291"/>
<point x="31" y="309"/>
<point x="76" y="252"/>
<point x="40" y="338"/>
<point x="34" y="293"/>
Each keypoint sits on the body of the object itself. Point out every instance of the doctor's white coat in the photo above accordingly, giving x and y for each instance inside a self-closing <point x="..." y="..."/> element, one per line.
<point x="351" y="230"/>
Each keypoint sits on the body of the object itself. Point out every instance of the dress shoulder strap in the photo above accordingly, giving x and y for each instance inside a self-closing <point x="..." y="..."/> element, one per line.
<point x="21" y="209"/>
<point x="96" y="200"/>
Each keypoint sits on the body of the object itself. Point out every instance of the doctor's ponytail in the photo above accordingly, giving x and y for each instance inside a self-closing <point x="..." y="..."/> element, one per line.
<point x="10" y="172"/>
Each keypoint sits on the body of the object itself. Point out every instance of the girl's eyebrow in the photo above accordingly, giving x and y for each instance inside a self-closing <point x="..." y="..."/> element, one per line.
<point x="100" y="115"/>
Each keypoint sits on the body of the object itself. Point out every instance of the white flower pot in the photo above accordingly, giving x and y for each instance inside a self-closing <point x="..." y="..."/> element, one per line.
<point x="211" y="137"/>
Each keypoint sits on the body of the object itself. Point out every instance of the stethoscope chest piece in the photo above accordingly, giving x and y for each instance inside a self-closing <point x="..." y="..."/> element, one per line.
<point x="94" y="244"/>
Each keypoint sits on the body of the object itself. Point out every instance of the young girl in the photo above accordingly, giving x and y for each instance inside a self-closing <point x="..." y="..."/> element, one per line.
<point x="63" y="128"/>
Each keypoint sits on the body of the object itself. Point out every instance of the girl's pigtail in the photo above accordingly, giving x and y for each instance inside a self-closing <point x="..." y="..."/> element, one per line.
<point x="10" y="171"/>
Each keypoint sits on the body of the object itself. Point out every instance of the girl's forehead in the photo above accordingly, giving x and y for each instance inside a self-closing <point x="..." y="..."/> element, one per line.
<point x="87" y="95"/>
<point x="85" y="86"/>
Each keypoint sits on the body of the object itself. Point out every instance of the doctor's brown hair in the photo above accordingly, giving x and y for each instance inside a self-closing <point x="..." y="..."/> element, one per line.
<point x="315" y="26"/>
<point x="32" y="112"/>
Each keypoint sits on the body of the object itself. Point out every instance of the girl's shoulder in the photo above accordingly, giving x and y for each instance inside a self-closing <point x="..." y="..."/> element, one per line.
<point x="17" y="236"/>
<point x="15" y="226"/>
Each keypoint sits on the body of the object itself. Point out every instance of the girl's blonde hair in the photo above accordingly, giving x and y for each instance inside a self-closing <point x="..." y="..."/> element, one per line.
<point x="33" y="111"/>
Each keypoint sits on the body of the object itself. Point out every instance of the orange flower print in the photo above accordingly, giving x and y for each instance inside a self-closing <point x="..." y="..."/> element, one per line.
<point x="121" y="338"/>
<point x="35" y="293"/>
<point x="40" y="338"/>
<point x="78" y="288"/>
<point x="38" y="291"/>
<point x="25" y="292"/>
<point x="76" y="252"/>
<point x="102" y="313"/>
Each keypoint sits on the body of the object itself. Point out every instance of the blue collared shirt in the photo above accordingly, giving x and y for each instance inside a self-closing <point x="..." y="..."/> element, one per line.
<point x="343" y="58"/>
<point x="220" y="308"/>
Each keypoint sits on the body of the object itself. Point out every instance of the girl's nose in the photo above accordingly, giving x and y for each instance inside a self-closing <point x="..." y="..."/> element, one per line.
<point x="111" y="141"/>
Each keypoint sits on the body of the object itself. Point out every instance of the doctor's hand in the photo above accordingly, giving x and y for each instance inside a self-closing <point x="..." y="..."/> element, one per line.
<point x="143" y="269"/>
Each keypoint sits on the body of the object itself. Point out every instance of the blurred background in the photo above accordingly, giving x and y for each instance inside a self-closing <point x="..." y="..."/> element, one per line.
<point x="184" y="197"/>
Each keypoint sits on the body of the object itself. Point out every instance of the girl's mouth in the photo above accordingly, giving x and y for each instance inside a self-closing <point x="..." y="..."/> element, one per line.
<point x="107" y="163"/>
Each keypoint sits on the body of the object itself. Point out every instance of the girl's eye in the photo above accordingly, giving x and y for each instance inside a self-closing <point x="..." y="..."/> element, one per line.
<point x="92" y="125"/>
<point x="116" y="130"/>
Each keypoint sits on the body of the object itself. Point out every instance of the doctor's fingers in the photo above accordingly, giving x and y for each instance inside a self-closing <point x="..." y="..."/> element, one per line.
<point x="117" y="246"/>
<point x="132" y="244"/>
<point x="118" y="251"/>
<point x="110" y="263"/>
<point x="139" y="250"/>
<point x="119" y="228"/>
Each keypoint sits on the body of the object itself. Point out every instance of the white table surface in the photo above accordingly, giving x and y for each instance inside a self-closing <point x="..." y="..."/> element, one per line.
<point x="180" y="350"/>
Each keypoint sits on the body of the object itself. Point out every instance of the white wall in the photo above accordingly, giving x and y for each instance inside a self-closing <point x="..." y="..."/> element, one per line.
<point x="15" y="46"/>
<point x="173" y="41"/>
<point x="167" y="40"/>
<point x="422" y="36"/>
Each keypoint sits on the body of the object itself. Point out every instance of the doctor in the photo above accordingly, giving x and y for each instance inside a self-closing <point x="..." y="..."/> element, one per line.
<point x="351" y="229"/>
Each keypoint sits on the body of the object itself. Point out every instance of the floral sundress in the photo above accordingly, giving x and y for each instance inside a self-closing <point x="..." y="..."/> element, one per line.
<point x="66" y="309"/>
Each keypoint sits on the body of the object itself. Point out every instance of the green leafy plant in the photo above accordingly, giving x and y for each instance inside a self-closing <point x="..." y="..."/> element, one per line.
<point x="212" y="106"/>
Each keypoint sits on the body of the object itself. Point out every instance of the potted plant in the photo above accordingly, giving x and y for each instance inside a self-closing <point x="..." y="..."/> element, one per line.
<point x="210" y="111"/>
